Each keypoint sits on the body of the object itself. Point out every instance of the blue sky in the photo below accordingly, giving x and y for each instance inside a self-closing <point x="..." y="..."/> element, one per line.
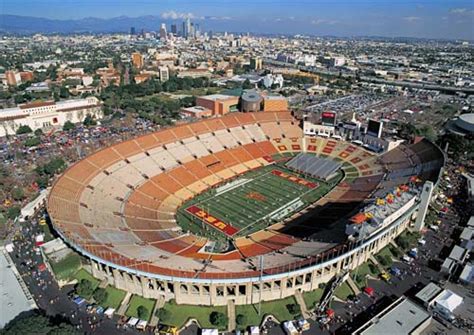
<point x="422" y="18"/>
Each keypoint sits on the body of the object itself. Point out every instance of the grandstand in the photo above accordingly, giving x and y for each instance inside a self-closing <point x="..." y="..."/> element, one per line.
<point x="314" y="166"/>
<point x="192" y="208"/>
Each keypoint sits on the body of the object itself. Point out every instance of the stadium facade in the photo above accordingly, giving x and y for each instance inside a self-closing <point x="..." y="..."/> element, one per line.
<point x="118" y="208"/>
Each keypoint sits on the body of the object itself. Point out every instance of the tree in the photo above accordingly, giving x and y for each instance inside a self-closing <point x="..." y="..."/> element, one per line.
<point x="18" y="193"/>
<point x="13" y="212"/>
<point x="32" y="141"/>
<point x="38" y="132"/>
<point x="23" y="129"/>
<point x="247" y="84"/>
<point x="84" y="288"/>
<point x="142" y="312"/>
<point x="64" y="92"/>
<point x="37" y="323"/>
<point x="218" y="319"/>
<point x="54" y="166"/>
<point x="68" y="125"/>
<point x="89" y="121"/>
<point x="164" y="315"/>
<point x="292" y="308"/>
<point x="402" y="242"/>
<point x="372" y="268"/>
<point x="100" y="295"/>
<point x="241" y="319"/>
<point x="42" y="181"/>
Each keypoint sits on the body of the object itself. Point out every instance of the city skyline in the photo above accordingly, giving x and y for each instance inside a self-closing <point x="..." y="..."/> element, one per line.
<point x="424" y="19"/>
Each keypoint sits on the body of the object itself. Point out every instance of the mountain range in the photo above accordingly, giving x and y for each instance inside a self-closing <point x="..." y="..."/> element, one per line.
<point x="29" y="25"/>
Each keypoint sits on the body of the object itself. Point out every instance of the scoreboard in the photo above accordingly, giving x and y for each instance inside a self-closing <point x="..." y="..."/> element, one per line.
<point x="328" y="118"/>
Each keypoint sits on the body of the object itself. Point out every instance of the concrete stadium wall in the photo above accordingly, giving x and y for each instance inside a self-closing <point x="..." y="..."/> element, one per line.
<point x="247" y="290"/>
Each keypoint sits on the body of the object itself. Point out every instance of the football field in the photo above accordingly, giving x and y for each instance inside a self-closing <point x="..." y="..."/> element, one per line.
<point x="251" y="202"/>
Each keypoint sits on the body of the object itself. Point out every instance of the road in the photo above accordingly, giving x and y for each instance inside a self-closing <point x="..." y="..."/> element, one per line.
<point x="48" y="296"/>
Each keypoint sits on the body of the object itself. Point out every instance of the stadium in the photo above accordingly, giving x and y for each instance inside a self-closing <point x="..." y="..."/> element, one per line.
<point x="243" y="207"/>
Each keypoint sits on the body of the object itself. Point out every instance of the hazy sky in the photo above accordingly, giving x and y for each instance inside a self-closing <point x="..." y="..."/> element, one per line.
<point x="423" y="18"/>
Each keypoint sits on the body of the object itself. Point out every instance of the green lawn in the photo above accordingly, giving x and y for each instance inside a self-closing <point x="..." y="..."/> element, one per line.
<point x="385" y="253"/>
<point x="137" y="301"/>
<point x="276" y="308"/>
<point x="179" y="314"/>
<point x="343" y="291"/>
<point x="359" y="274"/>
<point x="65" y="268"/>
<point x="83" y="274"/>
<point x="114" y="297"/>
<point x="312" y="298"/>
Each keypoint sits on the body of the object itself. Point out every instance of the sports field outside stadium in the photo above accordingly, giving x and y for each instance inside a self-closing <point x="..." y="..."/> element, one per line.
<point x="251" y="202"/>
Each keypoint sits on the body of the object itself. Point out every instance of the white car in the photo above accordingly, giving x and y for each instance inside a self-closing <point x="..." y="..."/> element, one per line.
<point x="434" y="228"/>
<point x="407" y="259"/>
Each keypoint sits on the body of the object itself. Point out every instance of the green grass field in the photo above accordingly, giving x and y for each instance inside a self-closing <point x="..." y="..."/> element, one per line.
<point x="277" y="308"/>
<point x="179" y="314"/>
<point x="66" y="267"/>
<point x="137" y="301"/>
<point x="312" y="298"/>
<point x="114" y="297"/>
<point x="83" y="274"/>
<point x="254" y="200"/>
<point x="361" y="272"/>
<point x="343" y="291"/>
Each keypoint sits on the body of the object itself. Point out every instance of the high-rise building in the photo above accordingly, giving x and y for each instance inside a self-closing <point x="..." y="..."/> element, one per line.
<point x="163" y="33"/>
<point x="197" y="30"/>
<point x="256" y="63"/>
<point x="132" y="31"/>
<point x="187" y="32"/>
<point x="174" y="29"/>
<point x="137" y="60"/>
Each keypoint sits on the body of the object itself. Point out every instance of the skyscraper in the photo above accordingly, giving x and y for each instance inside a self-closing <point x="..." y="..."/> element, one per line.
<point x="187" y="28"/>
<point x="174" y="29"/>
<point x="132" y="31"/>
<point x="163" y="33"/>
<point x="183" y="29"/>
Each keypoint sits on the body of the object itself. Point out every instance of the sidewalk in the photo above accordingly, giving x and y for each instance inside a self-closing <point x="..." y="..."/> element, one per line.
<point x="123" y="307"/>
<point x="231" y="315"/>
<point x="353" y="286"/>
<point x="300" y="300"/>
<point x="160" y="302"/>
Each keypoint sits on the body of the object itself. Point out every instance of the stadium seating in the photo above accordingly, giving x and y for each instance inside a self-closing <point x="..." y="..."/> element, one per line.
<point x="120" y="202"/>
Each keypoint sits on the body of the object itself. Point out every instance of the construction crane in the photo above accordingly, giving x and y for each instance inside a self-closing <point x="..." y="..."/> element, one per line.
<point x="322" y="311"/>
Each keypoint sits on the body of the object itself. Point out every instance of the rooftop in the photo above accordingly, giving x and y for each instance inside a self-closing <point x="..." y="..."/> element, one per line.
<point x="402" y="317"/>
<point x="12" y="296"/>
<point x="217" y="97"/>
<point x="429" y="292"/>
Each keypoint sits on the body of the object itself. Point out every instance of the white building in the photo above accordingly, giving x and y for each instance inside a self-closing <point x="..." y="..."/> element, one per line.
<point x="164" y="73"/>
<point x="48" y="114"/>
<point x="270" y="79"/>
